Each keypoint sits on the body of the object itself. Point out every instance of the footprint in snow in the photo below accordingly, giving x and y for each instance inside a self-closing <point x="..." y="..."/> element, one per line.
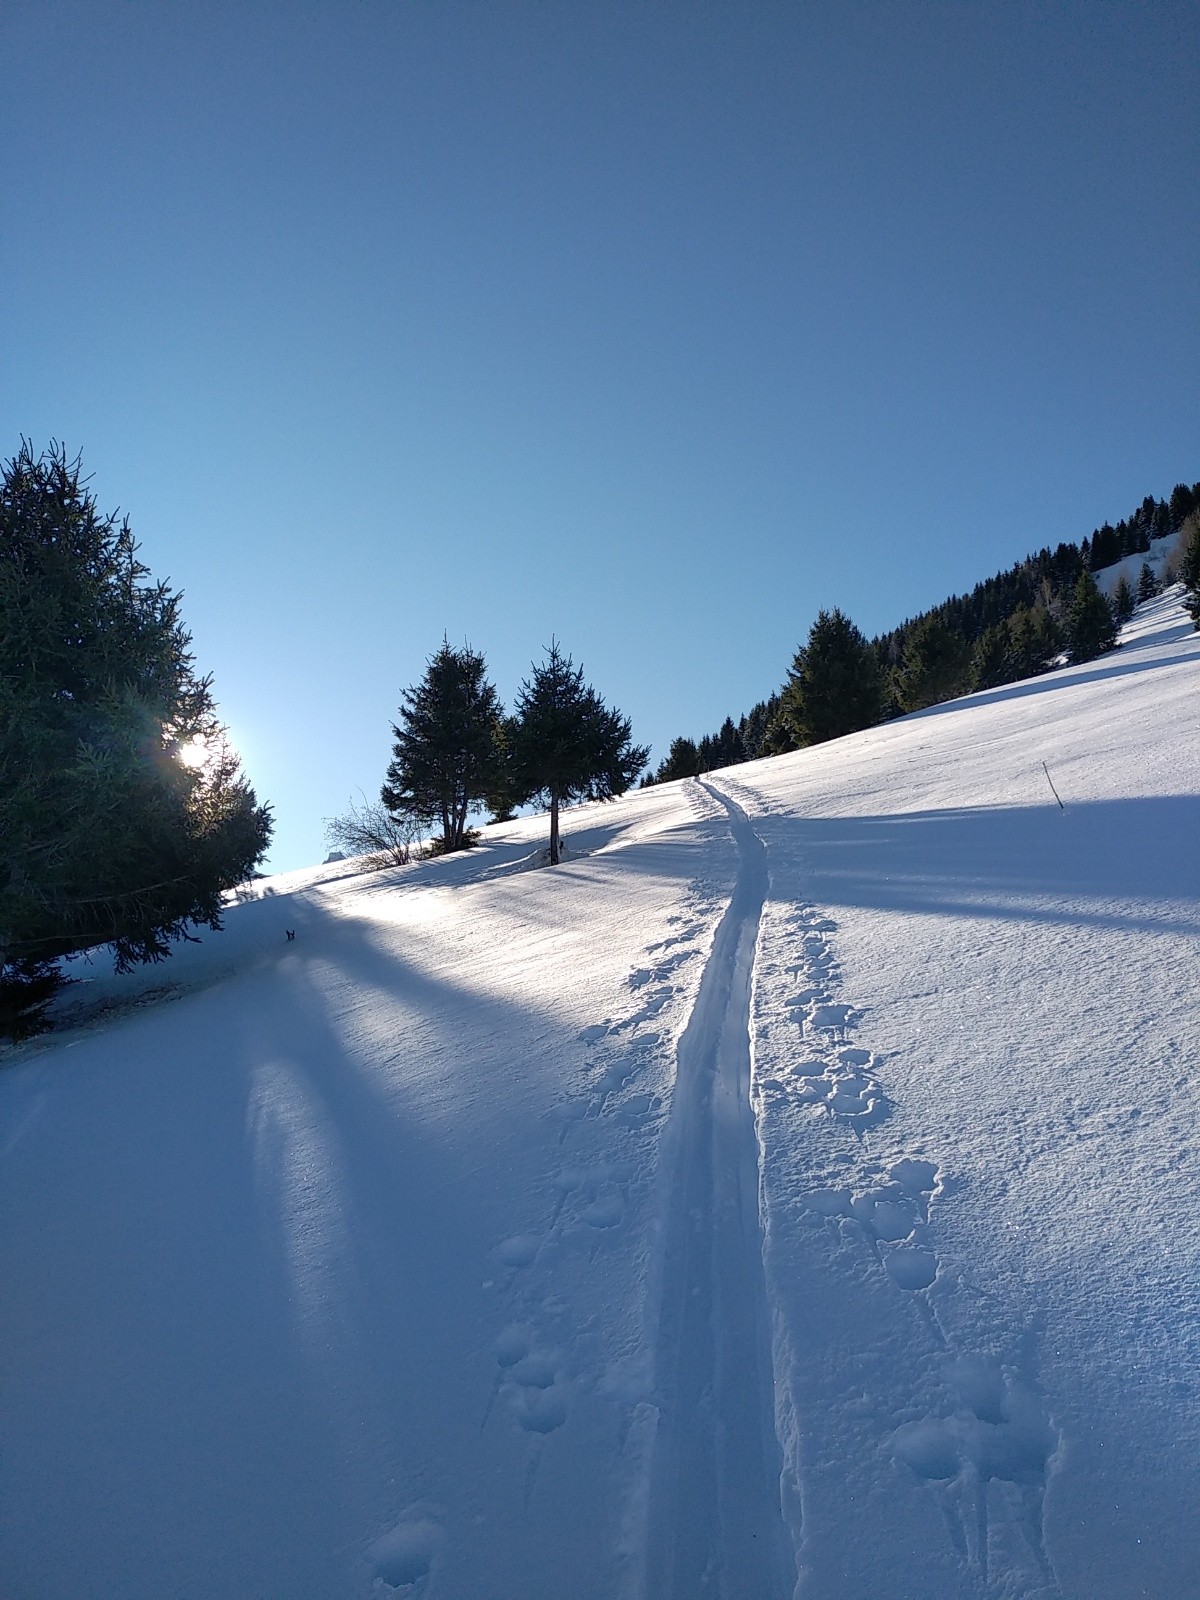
<point x="921" y="1180"/>
<point x="541" y="1409"/>
<point x="531" y="1378"/>
<point x="404" y="1557"/>
<point x="513" y="1344"/>
<point x="829" y="1018"/>
<point x="638" y="1109"/>
<point x="519" y="1251"/>
<point x="571" y="1112"/>
<point x="889" y="1216"/>
<point x="999" y="1429"/>
<point x="605" y="1211"/>
<point x="660" y="971"/>
<point x="911" y="1267"/>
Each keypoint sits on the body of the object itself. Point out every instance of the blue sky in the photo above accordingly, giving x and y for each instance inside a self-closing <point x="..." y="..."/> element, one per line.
<point x="655" y="328"/>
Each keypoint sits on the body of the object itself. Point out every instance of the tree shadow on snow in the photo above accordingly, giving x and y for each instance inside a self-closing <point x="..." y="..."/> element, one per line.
<point x="1127" y="863"/>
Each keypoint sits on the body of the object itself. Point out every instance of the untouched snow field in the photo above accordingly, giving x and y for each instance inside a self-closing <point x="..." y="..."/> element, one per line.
<point x="792" y="1193"/>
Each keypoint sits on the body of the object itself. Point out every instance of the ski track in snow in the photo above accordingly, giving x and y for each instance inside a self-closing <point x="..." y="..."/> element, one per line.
<point x="539" y="1362"/>
<point x="987" y="1451"/>
<point x="715" y="1522"/>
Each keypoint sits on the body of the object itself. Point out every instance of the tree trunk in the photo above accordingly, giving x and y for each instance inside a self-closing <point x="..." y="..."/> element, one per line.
<point x="553" y="829"/>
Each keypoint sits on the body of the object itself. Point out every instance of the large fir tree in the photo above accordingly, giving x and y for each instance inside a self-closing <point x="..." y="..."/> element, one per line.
<point x="449" y="746"/>
<point x="1091" y="625"/>
<point x="834" y="685"/>
<point x="1123" y="601"/>
<point x="568" y="745"/>
<point x="124" y="816"/>
<point x="935" y="666"/>
<point x="992" y="661"/>
<point x="682" y="760"/>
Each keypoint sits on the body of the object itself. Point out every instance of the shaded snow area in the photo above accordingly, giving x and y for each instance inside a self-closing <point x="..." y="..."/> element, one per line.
<point x="791" y="1193"/>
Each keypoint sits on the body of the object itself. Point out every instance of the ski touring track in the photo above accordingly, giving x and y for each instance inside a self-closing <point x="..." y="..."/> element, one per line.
<point x="715" y="1523"/>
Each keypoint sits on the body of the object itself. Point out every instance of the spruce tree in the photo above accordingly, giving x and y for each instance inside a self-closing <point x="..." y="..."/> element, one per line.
<point x="936" y="665"/>
<point x="504" y="796"/>
<point x="992" y="658"/>
<point x="449" y="745"/>
<point x="1189" y="571"/>
<point x="834" y="685"/>
<point x="755" y="724"/>
<point x="568" y="745"/>
<point x="1091" y="626"/>
<point x="1035" y="639"/>
<point x="682" y="760"/>
<point x="1147" y="583"/>
<point x="1123" y="601"/>
<point x="124" y="816"/>
<point x="1182" y="503"/>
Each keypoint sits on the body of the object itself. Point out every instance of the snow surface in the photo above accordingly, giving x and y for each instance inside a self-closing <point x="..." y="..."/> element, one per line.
<point x="793" y="1192"/>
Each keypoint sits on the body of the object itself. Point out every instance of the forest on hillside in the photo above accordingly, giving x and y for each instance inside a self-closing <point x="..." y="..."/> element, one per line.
<point x="1011" y="626"/>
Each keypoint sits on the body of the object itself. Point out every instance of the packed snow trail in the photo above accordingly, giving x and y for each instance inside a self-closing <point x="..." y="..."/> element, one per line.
<point x="715" y="1520"/>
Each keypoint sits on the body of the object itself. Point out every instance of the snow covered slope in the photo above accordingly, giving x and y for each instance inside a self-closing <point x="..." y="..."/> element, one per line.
<point x="1162" y="555"/>
<point x="790" y="1193"/>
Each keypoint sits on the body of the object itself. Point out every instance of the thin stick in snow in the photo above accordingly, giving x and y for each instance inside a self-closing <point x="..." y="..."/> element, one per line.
<point x="1053" y="790"/>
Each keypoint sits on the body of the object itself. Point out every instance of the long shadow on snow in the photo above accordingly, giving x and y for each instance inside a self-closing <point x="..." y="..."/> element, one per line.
<point x="1095" y="865"/>
<point x="295" y="1226"/>
<point x="254" y="929"/>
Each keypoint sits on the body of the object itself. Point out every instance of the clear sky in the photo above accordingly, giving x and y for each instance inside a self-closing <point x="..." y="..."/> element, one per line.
<point x="652" y="327"/>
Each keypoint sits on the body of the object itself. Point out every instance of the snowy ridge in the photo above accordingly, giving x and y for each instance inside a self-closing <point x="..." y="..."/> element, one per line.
<point x="788" y="1195"/>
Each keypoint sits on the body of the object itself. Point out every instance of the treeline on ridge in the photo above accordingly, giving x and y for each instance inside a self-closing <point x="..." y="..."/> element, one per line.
<point x="1011" y="626"/>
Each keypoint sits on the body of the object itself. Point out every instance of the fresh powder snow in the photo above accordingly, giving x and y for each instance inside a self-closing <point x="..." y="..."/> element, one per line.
<point x="790" y="1194"/>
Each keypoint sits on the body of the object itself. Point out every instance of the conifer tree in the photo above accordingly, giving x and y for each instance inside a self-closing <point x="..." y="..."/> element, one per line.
<point x="124" y="816"/>
<point x="504" y="796"/>
<point x="1147" y="583"/>
<point x="1190" y="570"/>
<point x="1035" y="639"/>
<point x="936" y="665"/>
<point x="992" y="661"/>
<point x="449" y="747"/>
<point x="728" y="749"/>
<point x="1091" y="626"/>
<point x="1182" y="503"/>
<point x="1124" y="601"/>
<point x="755" y="724"/>
<point x="834" y="685"/>
<point x="682" y="760"/>
<point x="568" y="745"/>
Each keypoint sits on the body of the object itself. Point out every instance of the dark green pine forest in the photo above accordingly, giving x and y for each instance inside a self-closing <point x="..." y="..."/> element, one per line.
<point x="1011" y="626"/>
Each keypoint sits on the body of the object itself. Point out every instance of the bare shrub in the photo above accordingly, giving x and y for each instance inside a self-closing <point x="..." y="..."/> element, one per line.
<point x="371" y="830"/>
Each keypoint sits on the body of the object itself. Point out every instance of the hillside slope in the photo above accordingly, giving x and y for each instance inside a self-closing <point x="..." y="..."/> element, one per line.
<point x="790" y="1192"/>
